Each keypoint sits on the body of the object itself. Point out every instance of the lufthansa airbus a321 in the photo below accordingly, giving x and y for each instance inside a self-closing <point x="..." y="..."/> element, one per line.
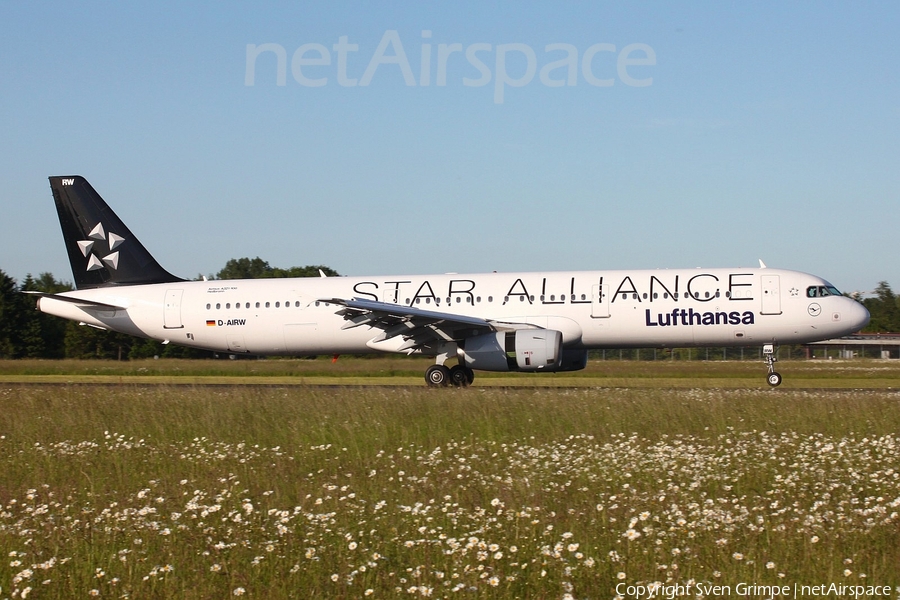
<point x="542" y="321"/>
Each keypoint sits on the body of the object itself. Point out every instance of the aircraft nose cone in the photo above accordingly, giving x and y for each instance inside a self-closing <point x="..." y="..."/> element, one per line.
<point x="857" y="315"/>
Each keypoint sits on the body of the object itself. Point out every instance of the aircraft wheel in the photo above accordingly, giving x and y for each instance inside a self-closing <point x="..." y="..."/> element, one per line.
<point x="461" y="376"/>
<point x="437" y="376"/>
<point x="774" y="379"/>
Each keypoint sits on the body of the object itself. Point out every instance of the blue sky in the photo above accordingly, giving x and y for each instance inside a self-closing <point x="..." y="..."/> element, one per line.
<point x="768" y="131"/>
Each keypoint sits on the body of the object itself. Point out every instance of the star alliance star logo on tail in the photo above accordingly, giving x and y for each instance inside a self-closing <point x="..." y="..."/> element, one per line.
<point x="112" y="240"/>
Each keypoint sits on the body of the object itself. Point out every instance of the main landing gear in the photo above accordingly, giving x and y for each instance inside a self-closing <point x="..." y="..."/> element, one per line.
<point x="441" y="376"/>
<point x="773" y="378"/>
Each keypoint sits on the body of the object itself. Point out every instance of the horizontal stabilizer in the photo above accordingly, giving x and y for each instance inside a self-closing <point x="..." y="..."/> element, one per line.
<point x="78" y="301"/>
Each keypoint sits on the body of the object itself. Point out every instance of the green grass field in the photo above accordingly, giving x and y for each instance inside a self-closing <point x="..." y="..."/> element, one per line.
<point x="291" y="491"/>
<point x="392" y="370"/>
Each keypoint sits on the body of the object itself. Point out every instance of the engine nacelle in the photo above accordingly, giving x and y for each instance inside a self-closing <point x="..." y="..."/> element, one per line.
<point x="520" y="350"/>
<point x="573" y="359"/>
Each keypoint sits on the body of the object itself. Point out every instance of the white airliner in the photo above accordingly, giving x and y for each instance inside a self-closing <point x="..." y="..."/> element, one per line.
<point x="543" y="321"/>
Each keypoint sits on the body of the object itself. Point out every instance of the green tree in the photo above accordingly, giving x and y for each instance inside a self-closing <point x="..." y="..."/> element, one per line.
<point x="245" y="268"/>
<point x="884" y="309"/>
<point x="47" y="283"/>
<point x="307" y="271"/>
<point x="257" y="268"/>
<point x="84" y="341"/>
<point x="42" y="335"/>
<point x="10" y="316"/>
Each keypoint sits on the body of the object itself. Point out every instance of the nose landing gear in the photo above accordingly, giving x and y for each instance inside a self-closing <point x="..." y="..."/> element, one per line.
<point x="773" y="378"/>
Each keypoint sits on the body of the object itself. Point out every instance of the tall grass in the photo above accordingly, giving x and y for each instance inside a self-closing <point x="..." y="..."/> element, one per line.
<point x="328" y="493"/>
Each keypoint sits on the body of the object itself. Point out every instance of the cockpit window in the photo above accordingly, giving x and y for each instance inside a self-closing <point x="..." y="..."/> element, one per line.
<point x="821" y="291"/>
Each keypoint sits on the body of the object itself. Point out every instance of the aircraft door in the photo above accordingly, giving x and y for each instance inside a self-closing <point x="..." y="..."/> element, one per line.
<point x="600" y="301"/>
<point x="771" y="295"/>
<point x="172" y="310"/>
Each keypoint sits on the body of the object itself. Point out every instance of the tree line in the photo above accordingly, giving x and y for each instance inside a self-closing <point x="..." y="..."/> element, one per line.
<point x="28" y="333"/>
<point x="884" y="308"/>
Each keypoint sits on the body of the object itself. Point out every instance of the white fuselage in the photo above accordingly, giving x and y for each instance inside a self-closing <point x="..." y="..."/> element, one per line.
<point x="592" y="309"/>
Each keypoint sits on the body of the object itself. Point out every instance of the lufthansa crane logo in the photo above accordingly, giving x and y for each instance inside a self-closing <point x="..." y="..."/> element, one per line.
<point x="93" y="245"/>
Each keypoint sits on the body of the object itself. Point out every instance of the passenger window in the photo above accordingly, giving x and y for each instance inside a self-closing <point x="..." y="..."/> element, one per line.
<point x="208" y="307"/>
<point x="218" y="306"/>
<point x="267" y="305"/>
<point x="228" y="305"/>
<point x="247" y="305"/>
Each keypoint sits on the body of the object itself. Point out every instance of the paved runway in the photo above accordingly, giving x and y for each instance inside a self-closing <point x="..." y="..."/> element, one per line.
<point x="533" y="381"/>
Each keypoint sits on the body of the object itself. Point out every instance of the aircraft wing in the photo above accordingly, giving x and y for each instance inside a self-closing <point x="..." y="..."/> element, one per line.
<point x="419" y="328"/>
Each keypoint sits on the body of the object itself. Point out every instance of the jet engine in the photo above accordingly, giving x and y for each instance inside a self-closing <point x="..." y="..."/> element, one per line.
<point x="520" y="350"/>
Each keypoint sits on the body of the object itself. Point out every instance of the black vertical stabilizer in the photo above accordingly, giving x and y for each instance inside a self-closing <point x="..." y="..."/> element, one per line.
<point x="102" y="250"/>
